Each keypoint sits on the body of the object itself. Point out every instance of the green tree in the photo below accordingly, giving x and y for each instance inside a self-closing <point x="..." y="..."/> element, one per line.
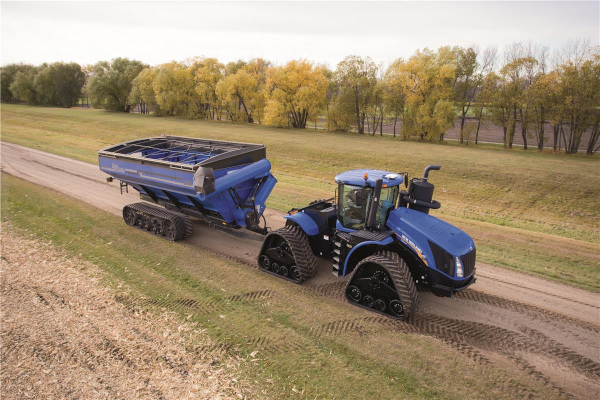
<point x="356" y="78"/>
<point x="7" y="77"/>
<point x="59" y="84"/>
<point x="23" y="87"/>
<point x="110" y="83"/>
<point x="294" y="93"/>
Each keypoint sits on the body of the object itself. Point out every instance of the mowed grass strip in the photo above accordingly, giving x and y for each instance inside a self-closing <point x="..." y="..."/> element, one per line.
<point x="274" y="332"/>
<point x="531" y="212"/>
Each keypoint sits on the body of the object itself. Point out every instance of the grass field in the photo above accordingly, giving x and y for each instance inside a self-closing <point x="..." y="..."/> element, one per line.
<point x="536" y="213"/>
<point x="278" y="342"/>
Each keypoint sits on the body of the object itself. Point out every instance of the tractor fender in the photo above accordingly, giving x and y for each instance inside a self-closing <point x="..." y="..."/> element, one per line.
<point x="362" y="250"/>
<point x="305" y="222"/>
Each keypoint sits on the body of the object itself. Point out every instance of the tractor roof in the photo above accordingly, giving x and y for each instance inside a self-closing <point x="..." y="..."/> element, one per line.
<point x="356" y="177"/>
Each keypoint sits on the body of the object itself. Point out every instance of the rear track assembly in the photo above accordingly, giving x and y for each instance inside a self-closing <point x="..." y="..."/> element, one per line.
<point x="169" y="224"/>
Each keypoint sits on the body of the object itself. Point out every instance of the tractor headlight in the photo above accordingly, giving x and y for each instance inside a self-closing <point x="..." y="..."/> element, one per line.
<point x="459" y="268"/>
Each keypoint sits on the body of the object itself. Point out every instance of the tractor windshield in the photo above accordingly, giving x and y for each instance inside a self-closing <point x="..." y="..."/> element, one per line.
<point x="353" y="204"/>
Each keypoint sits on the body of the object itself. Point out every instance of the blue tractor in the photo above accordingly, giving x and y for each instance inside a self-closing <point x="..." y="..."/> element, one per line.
<point x="380" y="235"/>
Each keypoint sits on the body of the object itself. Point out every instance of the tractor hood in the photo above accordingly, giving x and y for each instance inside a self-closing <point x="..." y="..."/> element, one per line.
<point x="418" y="228"/>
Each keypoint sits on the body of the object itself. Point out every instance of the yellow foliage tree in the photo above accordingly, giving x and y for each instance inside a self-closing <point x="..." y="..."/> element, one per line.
<point x="236" y="93"/>
<point x="209" y="72"/>
<point x="175" y="90"/>
<point x="426" y="80"/>
<point x="295" y="92"/>
<point x="142" y="91"/>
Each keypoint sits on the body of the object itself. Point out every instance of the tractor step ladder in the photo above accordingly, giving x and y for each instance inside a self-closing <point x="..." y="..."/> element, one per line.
<point x="336" y="259"/>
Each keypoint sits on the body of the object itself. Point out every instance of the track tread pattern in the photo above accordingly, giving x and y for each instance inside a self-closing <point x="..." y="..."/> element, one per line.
<point x="301" y="250"/>
<point x="183" y="224"/>
<point x="401" y="276"/>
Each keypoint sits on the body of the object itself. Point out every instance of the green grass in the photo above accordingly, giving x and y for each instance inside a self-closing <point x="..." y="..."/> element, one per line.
<point x="386" y="364"/>
<point x="533" y="212"/>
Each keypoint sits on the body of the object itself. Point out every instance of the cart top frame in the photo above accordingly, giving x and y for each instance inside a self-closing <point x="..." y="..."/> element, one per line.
<point x="186" y="153"/>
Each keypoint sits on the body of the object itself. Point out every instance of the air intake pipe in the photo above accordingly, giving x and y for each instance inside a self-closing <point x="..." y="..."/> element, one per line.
<point x="420" y="192"/>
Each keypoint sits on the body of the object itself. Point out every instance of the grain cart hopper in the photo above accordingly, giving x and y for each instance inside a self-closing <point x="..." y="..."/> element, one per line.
<point x="379" y="235"/>
<point x="224" y="183"/>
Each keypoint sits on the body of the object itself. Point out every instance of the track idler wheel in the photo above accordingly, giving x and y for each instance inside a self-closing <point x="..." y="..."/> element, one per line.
<point x="286" y="253"/>
<point x="383" y="283"/>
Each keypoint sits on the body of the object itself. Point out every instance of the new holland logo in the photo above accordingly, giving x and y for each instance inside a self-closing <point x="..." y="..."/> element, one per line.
<point x="409" y="242"/>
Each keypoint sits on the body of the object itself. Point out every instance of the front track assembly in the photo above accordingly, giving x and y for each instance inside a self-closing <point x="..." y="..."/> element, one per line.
<point x="287" y="254"/>
<point x="383" y="283"/>
<point x="171" y="225"/>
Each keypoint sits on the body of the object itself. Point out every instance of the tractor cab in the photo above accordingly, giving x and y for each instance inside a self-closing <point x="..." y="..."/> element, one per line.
<point x="365" y="198"/>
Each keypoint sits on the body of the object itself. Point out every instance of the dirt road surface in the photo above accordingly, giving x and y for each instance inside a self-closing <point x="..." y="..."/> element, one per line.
<point x="548" y="330"/>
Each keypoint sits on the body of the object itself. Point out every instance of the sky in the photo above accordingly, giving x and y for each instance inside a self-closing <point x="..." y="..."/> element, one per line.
<point x="324" y="32"/>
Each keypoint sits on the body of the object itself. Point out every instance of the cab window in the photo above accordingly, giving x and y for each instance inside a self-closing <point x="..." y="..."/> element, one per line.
<point x="353" y="205"/>
<point x="387" y="201"/>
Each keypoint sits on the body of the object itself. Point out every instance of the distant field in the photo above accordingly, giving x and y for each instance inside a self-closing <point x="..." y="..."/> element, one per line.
<point x="537" y="213"/>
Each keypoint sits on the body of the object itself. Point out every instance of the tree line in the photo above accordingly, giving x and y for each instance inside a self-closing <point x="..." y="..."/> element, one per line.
<point x="421" y="97"/>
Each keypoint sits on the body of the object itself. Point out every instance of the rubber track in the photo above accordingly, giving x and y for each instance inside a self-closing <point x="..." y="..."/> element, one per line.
<point x="401" y="277"/>
<point x="301" y="250"/>
<point x="183" y="225"/>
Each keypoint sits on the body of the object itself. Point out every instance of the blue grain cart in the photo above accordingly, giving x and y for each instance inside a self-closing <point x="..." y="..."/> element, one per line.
<point x="373" y="231"/>
<point x="224" y="183"/>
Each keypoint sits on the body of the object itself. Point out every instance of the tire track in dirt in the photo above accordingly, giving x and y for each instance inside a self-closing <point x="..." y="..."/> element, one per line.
<point x="465" y="336"/>
<point x="531" y="310"/>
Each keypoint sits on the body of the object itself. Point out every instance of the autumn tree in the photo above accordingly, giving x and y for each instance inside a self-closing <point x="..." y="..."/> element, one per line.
<point x="394" y="96"/>
<point x="236" y="92"/>
<point x="427" y="79"/>
<point x="142" y="92"/>
<point x="241" y="92"/>
<point x="175" y="89"/>
<point x="208" y="74"/>
<point x="356" y="78"/>
<point x="579" y="105"/>
<point x="110" y="83"/>
<point x="294" y="93"/>
<point x="471" y="67"/>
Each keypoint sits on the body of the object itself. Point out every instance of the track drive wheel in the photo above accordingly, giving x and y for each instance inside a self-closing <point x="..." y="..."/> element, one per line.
<point x="286" y="252"/>
<point x="383" y="283"/>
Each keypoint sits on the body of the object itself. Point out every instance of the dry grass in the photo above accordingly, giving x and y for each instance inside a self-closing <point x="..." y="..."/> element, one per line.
<point x="65" y="336"/>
